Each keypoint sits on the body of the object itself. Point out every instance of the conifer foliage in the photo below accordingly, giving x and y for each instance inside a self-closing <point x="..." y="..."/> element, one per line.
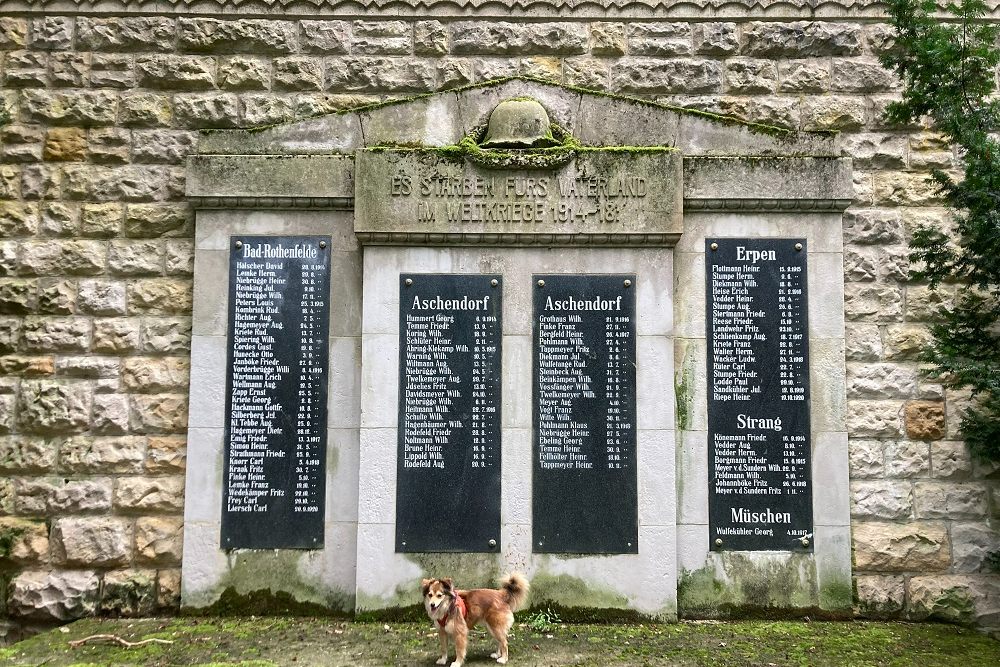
<point x="947" y="62"/>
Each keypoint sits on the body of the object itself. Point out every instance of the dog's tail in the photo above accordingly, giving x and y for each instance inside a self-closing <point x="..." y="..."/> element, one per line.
<point x="515" y="586"/>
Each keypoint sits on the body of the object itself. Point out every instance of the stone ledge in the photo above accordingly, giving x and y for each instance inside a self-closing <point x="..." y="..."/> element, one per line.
<point x="589" y="240"/>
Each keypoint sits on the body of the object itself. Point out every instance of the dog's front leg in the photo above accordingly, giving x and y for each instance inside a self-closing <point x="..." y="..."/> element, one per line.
<point x="461" y="640"/>
<point x="443" y="640"/>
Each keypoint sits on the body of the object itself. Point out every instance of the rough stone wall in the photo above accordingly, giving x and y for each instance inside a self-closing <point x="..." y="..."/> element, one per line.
<point x="96" y="264"/>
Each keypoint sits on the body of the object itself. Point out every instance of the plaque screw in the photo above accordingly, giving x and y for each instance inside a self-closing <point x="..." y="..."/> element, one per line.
<point x="493" y="543"/>
<point x="629" y="544"/>
<point x="798" y="246"/>
<point x="714" y="246"/>
<point x="494" y="282"/>
<point x="628" y="283"/>
<point x="718" y="541"/>
<point x="239" y="244"/>
<point x="322" y="244"/>
<point x="541" y="283"/>
<point x="403" y="543"/>
<point x="408" y="281"/>
<point x="804" y="541"/>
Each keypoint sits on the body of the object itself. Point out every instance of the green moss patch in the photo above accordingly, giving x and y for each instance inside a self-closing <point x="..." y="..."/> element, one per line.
<point x="266" y="642"/>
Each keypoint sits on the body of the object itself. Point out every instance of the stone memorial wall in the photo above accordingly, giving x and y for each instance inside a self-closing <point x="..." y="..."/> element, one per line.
<point x="103" y="417"/>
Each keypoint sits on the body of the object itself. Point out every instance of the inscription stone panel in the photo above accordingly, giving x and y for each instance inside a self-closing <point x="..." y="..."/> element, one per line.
<point x="760" y="493"/>
<point x="584" y="484"/>
<point x="448" y="454"/>
<point x="276" y="389"/>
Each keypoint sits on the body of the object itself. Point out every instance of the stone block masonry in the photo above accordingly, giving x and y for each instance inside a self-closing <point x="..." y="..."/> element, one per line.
<point x="96" y="264"/>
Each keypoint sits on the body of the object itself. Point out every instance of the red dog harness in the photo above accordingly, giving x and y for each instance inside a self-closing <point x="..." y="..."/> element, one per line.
<point x="459" y="604"/>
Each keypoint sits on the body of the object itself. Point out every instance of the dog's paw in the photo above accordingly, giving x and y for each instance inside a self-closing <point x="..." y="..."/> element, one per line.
<point x="502" y="661"/>
<point x="456" y="664"/>
<point x="443" y="660"/>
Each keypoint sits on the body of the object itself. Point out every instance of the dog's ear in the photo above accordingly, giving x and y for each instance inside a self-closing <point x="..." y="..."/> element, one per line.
<point x="425" y="585"/>
<point x="447" y="584"/>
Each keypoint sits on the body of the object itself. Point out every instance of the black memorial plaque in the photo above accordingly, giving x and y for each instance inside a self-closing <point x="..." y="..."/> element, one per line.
<point x="276" y="388"/>
<point x="584" y="482"/>
<point x="448" y="451"/>
<point x="760" y="488"/>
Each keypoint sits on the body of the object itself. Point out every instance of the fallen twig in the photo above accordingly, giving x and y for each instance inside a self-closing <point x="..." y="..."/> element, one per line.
<point x="115" y="639"/>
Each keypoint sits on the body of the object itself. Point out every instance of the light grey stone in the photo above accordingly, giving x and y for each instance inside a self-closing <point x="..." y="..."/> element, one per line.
<point x="242" y="36"/>
<point x="717" y="39"/>
<point x="98" y="541"/>
<point x="885" y="500"/>
<point x="54" y="595"/>
<point x="83" y="454"/>
<point x="326" y="36"/>
<point x="867" y="459"/>
<point x="651" y="75"/>
<point x="948" y="500"/>
<point x="799" y="39"/>
<point x="659" y="39"/>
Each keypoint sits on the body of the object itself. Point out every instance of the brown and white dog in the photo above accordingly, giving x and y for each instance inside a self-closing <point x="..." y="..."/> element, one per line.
<point x="454" y="611"/>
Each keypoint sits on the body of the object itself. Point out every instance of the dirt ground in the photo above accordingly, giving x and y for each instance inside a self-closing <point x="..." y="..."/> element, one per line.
<point x="536" y="640"/>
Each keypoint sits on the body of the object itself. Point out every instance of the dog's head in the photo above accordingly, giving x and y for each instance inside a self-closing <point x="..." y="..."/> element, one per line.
<point x="438" y="595"/>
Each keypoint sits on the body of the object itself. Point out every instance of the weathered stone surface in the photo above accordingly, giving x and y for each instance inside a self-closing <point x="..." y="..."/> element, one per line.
<point x="58" y="219"/>
<point x="834" y="113"/>
<point x="861" y="265"/>
<point x="801" y="39"/>
<point x="13" y="32"/>
<point x="18" y="297"/>
<point x="300" y="73"/>
<point x="110" y="145"/>
<point x="206" y="110"/>
<point x="179" y="258"/>
<point x="159" y="540"/>
<point x="166" y="335"/>
<point x="80" y="107"/>
<point x="898" y="188"/>
<point x="155" y="220"/>
<point x="652" y="75"/>
<point x="244" y="73"/>
<point x="168" y="584"/>
<point x="924" y="303"/>
<point x="331" y="37"/>
<point x="162" y="296"/>
<point x="80" y="496"/>
<point x="91" y="541"/>
<point x="880" y="380"/>
<point x="116" y="336"/>
<point x="48" y="406"/>
<point x="586" y="72"/>
<point x="954" y="598"/>
<point x="948" y="500"/>
<point x="502" y="38"/>
<point x="144" y="109"/>
<point x="873" y="226"/>
<point x="873" y="302"/>
<point x="88" y="367"/>
<point x="111" y="414"/>
<point x="864" y="342"/>
<point x="22" y="454"/>
<point x="129" y="183"/>
<point x="874" y="418"/>
<point x="69" y="70"/>
<point x="906" y="458"/>
<point x="139" y="33"/>
<point x="10" y="331"/>
<point x="41" y="181"/>
<point x="861" y="75"/>
<point x="56" y="297"/>
<point x="717" y="39"/>
<point x="100" y="220"/>
<point x="804" y="76"/>
<point x="150" y="494"/>
<point x="866" y="458"/>
<point x="372" y="74"/>
<point x="876" y="150"/>
<point x="260" y="110"/>
<point x="19" y="143"/>
<point x="245" y="35"/>
<point x="112" y="70"/>
<point x="156" y="375"/>
<point x="880" y="596"/>
<point x="128" y="593"/>
<point x="25" y="542"/>
<point x="67" y="144"/>
<point x="892" y="547"/>
<point x="972" y="544"/>
<point x="25" y="366"/>
<point x="886" y="500"/>
<point x="750" y="76"/>
<point x="10" y="178"/>
<point x="101" y="297"/>
<point x="542" y="67"/>
<point x="390" y="38"/>
<point x="430" y="38"/>
<point x="162" y="146"/>
<point x="166" y="454"/>
<point x="53" y="595"/>
<point x="52" y="33"/>
<point x="135" y="258"/>
<point x="18" y="219"/>
<point x="950" y="460"/>
<point x="25" y="69"/>
<point x="166" y="413"/>
<point x="82" y="454"/>
<point x="925" y="420"/>
<point x="56" y="334"/>
<point x="659" y="39"/>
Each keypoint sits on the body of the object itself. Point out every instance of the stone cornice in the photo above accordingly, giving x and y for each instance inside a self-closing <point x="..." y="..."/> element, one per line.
<point x="532" y="9"/>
